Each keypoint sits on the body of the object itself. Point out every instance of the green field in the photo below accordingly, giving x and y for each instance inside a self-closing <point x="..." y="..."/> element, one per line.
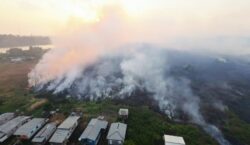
<point x="145" y="127"/>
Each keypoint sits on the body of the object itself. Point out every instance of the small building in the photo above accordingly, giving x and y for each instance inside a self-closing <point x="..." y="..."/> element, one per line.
<point x="117" y="133"/>
<point x="28" y="130"/>
<point x="6" y="117"/>
<point x="93" y="132"/>
<point x="64" y="131"/>
<point x="43" y="136"/>
<point x="123" y="113"/>
<point x="173" y="140"/>
<point x="9" y="128"/>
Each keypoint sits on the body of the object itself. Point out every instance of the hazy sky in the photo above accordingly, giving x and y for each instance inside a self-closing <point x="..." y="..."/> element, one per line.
<point x="179" y="17"/>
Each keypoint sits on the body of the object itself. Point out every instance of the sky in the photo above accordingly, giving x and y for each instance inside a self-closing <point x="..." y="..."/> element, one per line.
<point x="172" y="21"/>
<point x="203" y="17"/>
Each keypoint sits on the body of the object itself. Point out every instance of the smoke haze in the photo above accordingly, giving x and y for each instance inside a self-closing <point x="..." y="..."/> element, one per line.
<point x="112" y="59"/>
<point x="121" y="73"/>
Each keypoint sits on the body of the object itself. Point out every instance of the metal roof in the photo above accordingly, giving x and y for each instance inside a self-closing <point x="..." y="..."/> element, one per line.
<point x="45" y="133"/>
<point x="6" y="117"/>
<point x="173" y="140"/>
<point x="31" y="127"/>
<point x="10" y="127"/>
<point x="93" y="129"/>
<point x="69" y="122"/>
<point x="123" y="111"/>
<point x="65" y="130"/>
<point x="60" y="136"/>
<point x="117" y="131"/>
<point x="7" y="127"/>
<point x="3" y="137"/>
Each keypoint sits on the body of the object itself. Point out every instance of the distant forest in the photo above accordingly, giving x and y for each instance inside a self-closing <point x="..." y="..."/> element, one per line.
<point x="16" y="40"/>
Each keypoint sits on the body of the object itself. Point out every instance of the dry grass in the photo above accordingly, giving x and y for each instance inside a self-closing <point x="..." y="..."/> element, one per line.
<point x="13" y="76"/>
<point x="58" y="117"/>
<point x="38" y="104"/>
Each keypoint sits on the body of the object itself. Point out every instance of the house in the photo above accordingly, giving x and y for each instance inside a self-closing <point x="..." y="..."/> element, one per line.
<point x="117" y="133"/>
<point x="64" y="131"/>
<point x="28" y="130"/>
<point x="123" y="113"/>
<point x="9" y="128"/>
<point x="43" y="136"/>
<point x="173" y="140"/>
<point x="93" y="132"/>
<point x="6" y="117"/>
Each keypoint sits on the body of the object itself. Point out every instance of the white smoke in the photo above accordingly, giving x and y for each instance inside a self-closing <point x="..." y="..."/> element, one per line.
<point x="120" y="74"/>
<point x="88" y="63"/>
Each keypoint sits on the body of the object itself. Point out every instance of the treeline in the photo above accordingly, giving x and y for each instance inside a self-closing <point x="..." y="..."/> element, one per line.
<point x="16" y="40"/>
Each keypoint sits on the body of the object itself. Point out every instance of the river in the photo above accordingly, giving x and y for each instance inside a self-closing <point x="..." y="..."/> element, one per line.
<point x="4" y="50"/>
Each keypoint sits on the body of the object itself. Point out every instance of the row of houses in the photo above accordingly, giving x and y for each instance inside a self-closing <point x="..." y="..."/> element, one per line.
<point x="64" y="131"/>
<point x="96" y="127"/>
<point x="9" y="128"/>
<point x="26" y="128"/>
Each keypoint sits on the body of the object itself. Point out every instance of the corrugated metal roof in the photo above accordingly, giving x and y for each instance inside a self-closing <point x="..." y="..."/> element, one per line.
<point x="65" y="130"/>
<point x="10" y="127"/>
<point x="60" y="136"/>
<point x="7" y="127"/>
<point x="93" y="129"/>
<point x="170" y="140"/>
<point x="45" y="133"/>
<point x="6" y="117"/>
<point x="31" y="127"/>
<point x="3" y="137"/>
<point x="69" y="122"/>
<point x="117" y="131"/>
<point x="2" y="134"/>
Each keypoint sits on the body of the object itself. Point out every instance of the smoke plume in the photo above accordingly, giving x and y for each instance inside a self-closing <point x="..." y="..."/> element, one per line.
<point x="120" y="74"/>
<point x="96" y="62"/>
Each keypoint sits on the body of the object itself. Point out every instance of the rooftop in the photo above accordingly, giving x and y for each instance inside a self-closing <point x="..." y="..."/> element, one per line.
<point x="45" y="133"/>
<point x="173" y="140"/>
<point x="123" y="111"/>
<point x="6" y="117"/>
<point x="60" y="136"/>
<point x="7" y="127"/>
<point x="69" y="122"/>
<point x="64" y="131"/>
<point x="3" y="137"/>
<point x="30" y="126"/>
<point x="117" y="131"/>
<point x="93" y="129"/>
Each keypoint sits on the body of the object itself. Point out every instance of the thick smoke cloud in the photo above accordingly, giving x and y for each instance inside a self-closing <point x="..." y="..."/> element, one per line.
<point x="120" y="74"/>
<point x="93" y="62"/>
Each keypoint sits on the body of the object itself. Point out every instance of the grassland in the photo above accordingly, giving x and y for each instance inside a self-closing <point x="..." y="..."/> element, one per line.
<point x="145" y="127"/>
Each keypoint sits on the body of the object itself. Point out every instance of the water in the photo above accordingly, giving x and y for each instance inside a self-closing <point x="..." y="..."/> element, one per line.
<point x="4" y="50"/>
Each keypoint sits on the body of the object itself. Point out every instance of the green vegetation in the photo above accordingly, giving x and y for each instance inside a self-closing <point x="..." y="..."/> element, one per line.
<point x="147" y="127"/>
<point x="237" y="129"/>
